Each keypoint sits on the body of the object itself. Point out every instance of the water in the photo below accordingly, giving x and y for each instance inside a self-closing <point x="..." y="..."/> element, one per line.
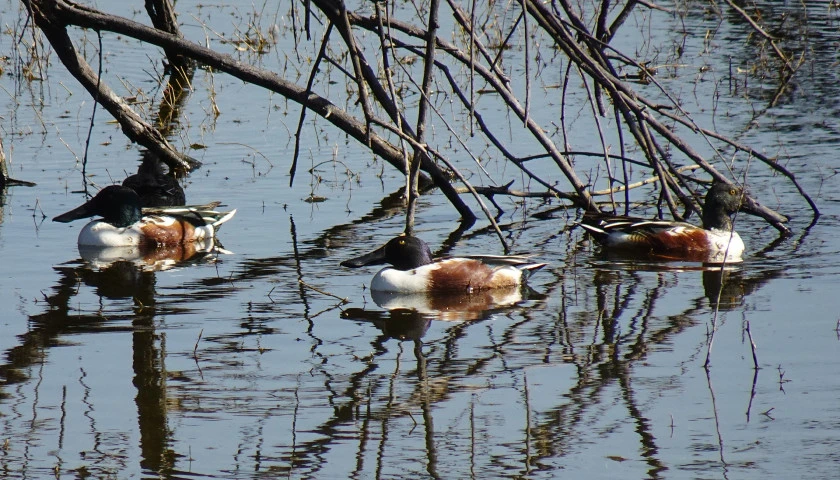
<point x="250" y="364"/>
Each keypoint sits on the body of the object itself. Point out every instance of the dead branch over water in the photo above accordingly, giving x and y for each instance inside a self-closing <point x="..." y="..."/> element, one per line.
<point x="380" y="115"/>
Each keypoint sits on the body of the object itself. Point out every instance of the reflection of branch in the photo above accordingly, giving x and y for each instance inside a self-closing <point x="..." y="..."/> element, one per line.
<point x="717" y="420"/>
<point x="163" y="18"/>
<point x="527" y="402"/>
<point x="52" y="18"/>
<point x="752" y="393"/>
<point x="764" y="34"/>
<point x="649" y="448"/>
<point x="178" y="87"/>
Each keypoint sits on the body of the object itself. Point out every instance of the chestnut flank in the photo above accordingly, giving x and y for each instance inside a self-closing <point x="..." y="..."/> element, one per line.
<point x="468" y="275"/>
<point x="178" y="232"/>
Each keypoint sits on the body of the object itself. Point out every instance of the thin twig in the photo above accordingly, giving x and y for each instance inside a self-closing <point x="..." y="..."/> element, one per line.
<point x="355" y="57"/>
<point x="195" y="349"/>
<point x="343" y="300"/>
<point x="388" y="52"/>
<point x="527" y="61"/>
<point x="752" y="393"/>
<point x="92" y="114"/>
<point x="309" y="83"/>
<point x="686" y="168"/>
<point x="422" y="116"/>
<point x="752" y="346"/>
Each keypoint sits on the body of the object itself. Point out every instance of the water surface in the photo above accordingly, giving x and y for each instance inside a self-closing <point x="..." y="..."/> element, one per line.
<point x="241" y="365"/>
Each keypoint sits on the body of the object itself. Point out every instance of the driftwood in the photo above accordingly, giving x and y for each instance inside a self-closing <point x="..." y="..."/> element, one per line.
<point x="381" y="122"/>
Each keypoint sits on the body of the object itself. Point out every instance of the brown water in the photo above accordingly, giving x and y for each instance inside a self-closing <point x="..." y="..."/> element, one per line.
<point x="239" y="365"/>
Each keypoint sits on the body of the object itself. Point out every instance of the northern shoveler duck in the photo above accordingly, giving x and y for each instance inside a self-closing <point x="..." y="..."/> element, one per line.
<point x="715" y="242"/>
<point x="154" y="186"/>
<point x="414" y="270"/>
<point x="124" y="223"/>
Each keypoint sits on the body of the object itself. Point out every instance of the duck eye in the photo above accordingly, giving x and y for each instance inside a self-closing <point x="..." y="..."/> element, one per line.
<point x="732" y="192"/>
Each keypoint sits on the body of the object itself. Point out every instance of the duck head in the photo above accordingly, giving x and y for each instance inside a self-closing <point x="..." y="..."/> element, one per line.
<point x="403" y="252"/>
<point x="116" y="204"/>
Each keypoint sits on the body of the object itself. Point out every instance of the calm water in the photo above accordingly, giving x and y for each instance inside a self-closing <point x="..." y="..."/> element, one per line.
<point x="241" y="365"/>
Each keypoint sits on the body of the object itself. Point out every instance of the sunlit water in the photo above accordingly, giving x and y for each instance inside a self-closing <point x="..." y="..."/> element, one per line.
<point x="248" y="364"/>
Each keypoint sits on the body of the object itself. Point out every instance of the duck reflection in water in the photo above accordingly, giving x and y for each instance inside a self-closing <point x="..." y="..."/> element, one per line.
<point x="409" y="316"/>
<point x="153" y="258"/>
<point x="725" y="288"/>
<point x="451" y="307"/>
<point x="400" y="324"/>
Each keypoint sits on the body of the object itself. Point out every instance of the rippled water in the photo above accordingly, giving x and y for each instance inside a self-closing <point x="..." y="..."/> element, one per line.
<point x="251" y="364"/>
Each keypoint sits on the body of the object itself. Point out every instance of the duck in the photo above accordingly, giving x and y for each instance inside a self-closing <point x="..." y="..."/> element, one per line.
<point x="154" y="186"/>
<point x="715" y="242"/>
<point x="124" y="223"/>
<point x="413" y="270"/>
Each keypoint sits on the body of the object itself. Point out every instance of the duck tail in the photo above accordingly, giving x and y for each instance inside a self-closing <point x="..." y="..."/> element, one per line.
<point x="220" y="217"/>
<point x="198" y="215"/>
<point x="599" y="233"/>
<point x="530" y="268"/>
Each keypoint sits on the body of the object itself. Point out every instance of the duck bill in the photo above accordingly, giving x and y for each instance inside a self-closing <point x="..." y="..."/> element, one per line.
<point x="82" y="211"/>
<point x="376" y="257"/>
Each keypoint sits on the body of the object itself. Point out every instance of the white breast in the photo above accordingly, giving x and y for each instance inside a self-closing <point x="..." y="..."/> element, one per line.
<point x="398" y="281"/>
<point x="102" y="234"/>
<point x="726" y="245"/>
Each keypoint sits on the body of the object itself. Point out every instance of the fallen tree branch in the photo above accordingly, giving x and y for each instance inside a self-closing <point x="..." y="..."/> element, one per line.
<point x="50" y="18"/>
<point x="56" y="14"/>
<point x="646" y="124"/>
